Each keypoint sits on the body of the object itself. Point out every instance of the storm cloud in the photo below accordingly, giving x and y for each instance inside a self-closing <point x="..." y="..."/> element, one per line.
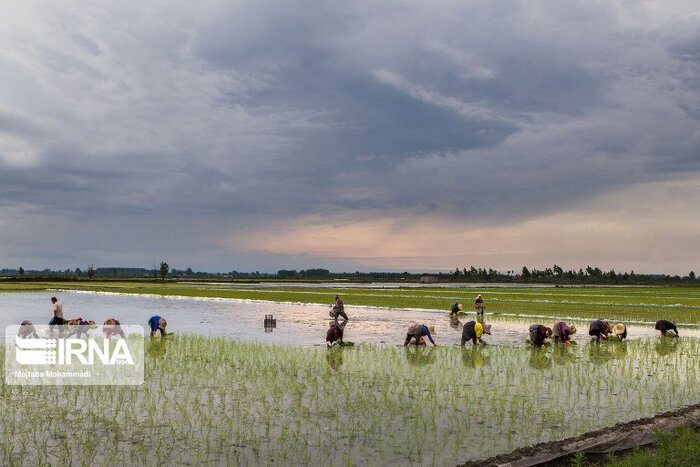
<point x="229" y="135"/>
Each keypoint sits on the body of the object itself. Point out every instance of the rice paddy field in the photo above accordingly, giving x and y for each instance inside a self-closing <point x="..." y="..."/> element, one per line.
<point x="642" y="304"/>
<point x="211" y="400"/>
<point x="216" y="401"/>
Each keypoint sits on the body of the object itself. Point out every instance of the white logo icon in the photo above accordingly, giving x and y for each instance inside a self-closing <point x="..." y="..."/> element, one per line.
<point x="36" y="351"/>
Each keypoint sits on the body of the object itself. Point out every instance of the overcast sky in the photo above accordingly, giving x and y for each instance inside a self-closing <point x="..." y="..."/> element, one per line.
<point x="370" y="135"/>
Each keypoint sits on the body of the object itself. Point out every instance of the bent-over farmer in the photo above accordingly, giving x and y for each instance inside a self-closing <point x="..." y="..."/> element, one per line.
<point x="473" y="331"/>
<point x="334" y="335"/>
<point x="666" y="327"/>
<point x="599" y="329"/>
<point x="562" y="332"/>
<point x="112" y="328"/>
<point x="416" y="331"/>
<point x="620" y="331"/>
<point x="156" y="323"/>
<point x="538" y="334"/>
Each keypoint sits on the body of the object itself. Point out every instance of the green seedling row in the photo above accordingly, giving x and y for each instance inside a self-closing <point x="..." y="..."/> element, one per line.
<point x="214" y="401"/>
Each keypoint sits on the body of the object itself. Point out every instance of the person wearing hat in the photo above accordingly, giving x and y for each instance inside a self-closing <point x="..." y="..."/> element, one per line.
<point x="338" y="309"/>
<point x="562" y="332"/>
<point x="620" y="331"/>
<point x="416" y="331"/>
<point x="156" y="323"/>
<point x="473" y="331"/>
<point x="599" y="329"/>
<point x="538" y="334"/>
<point x="666" y="326"/>
<point x="479" y="305"/>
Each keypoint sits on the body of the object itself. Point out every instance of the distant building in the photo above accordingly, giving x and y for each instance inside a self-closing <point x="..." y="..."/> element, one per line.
<point x="428" y="279"/>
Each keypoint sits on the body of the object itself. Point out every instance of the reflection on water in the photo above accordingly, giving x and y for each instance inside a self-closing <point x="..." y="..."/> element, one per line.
<point x="334" y="357"/>
<point x="472" y="357"/>
<point x="296" y="324"/>
<point x="605" y="351"/>
<point x="540" y="359"/>
<point x="562" y="354"/>
<point x="666" y="345"/>
<point x="269" y="323"/>
<point x="420" y="355"/>
<point x="156" y="347"/>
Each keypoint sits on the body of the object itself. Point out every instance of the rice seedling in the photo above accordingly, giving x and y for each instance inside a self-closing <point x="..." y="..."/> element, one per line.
<point x="215" y="400"/>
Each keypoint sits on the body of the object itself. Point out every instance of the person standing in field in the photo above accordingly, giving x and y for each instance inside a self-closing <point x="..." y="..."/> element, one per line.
<point x="538" y="334"/>
<point x="338" y="309"/>
<point x="473" y="331"/>
<point x="666" y="327"/>
<point x="57" y="314"/>
<point x="599" y="329"/>
<point x="479" y="305"/>
<point x="417" y="331"/>
<point x="562" y="332"/>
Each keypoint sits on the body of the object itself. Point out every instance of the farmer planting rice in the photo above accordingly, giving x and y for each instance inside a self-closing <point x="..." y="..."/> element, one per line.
<point x="156" y="323"/>
<point x="666" y="327"/>
<point x="416" y="331"/>
<point x="26" y="330"/>
<point x="334" y="336"/>
<point x="112" y="328"/>
<point x="599" y="329"/>
<point x="338" y="309"/>
<point x="78" y="326"/>
<point x="538" y="334"/>
<point x="479" y="305"/>
<point x="620" y="331"/>
<point x="473" y="331"/>
<point x="562" y="332"/>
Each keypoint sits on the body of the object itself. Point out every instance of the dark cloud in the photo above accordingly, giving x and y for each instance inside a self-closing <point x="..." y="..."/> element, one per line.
<point x="249" y="111"/>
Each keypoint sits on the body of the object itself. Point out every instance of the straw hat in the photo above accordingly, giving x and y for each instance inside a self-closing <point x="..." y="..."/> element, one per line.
<point x="431" y="328"/>
<point x="162" y="323"/>
<point x="618" y="329"/>
<point x="572" y="329"/>
<point x="478" y="296"/>
<point x="91" y="324"/>
<point x="487" y="329"/>
<point x="460" y="306"/>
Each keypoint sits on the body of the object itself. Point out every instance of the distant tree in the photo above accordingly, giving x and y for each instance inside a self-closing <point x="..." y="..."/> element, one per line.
<point x="525" y="273"/>
<point x="691" y="275"/>
<point x="78" y="271"/>
<point x="164" y="268"/>
<point x="91" y="271"/>
<point x="21" y="271"/>
<point x="188" y="271"/>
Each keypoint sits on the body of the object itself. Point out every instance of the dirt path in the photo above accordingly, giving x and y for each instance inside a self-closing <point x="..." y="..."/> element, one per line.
<point x="621" y="437"/>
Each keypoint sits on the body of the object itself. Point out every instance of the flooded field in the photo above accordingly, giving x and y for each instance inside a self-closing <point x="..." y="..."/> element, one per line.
<point x="224" y="390"/>
<point x="297" y="324"/>
<point x="214" y="401"/>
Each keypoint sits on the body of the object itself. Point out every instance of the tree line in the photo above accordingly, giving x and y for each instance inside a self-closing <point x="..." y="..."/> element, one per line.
<point x="550" y="275"/>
